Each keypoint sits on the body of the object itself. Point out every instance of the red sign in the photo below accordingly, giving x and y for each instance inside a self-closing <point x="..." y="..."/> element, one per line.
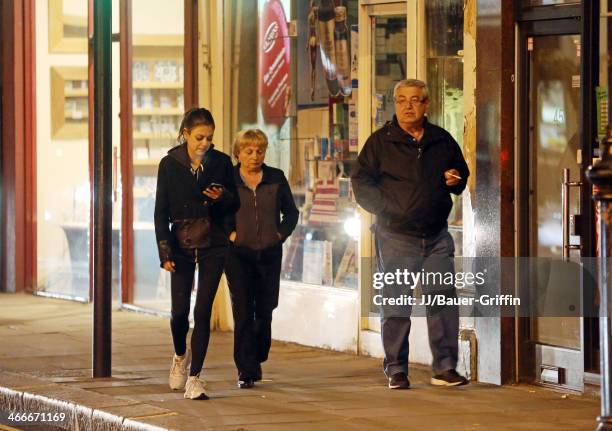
<point x="274" y="66"/>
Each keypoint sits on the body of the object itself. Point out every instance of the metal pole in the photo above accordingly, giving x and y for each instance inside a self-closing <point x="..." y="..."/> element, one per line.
<point x="565" y="200"/>
<point x="601" y="176"/>
<point x="102" y="196"/>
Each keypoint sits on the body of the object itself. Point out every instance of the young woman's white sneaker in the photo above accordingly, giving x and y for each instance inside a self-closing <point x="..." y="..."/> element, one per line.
<point x="179" y="371"/>
<point x="194" y="389"/>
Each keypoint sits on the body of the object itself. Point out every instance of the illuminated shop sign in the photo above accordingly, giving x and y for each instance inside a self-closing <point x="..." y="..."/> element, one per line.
<point x="274" y="63"/>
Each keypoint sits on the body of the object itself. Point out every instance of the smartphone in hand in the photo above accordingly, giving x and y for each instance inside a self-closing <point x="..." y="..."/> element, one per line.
<point x="215" y="186"/>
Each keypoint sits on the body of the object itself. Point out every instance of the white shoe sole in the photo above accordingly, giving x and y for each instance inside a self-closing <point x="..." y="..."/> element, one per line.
<point x="398" y="387"/>
<point x="439" y="382"/>
<point x="178" y="386"/>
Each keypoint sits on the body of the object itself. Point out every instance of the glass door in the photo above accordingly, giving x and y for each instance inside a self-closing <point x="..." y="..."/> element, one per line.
<point x="555" y="124"/>
<point x="553" y="120"/>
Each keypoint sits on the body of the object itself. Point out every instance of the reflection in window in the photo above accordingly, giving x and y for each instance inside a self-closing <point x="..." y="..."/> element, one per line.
<point x="445" y="81"/>
<point x="389" y="54"/>
<point x="316" y="145"/>
<point x="552" y="116"/>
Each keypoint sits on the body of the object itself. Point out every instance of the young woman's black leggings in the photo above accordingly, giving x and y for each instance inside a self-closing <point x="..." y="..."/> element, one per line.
<point x="210" y="268"/>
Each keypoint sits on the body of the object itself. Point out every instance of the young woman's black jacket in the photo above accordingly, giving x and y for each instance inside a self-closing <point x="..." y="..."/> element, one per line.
<point x="259" y="216"/>
<point x="184" y="217"/>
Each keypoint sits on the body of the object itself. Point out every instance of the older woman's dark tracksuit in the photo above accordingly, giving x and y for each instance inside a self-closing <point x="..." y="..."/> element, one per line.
<point x="190" y="230"/>
<point x="254" y="264"/>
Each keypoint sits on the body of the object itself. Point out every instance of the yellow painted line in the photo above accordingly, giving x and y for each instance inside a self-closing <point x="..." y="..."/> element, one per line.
<point x="7" y="428"/>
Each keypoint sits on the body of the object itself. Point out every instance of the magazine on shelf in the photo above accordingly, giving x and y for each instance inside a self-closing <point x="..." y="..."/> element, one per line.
<point x="325" y="203"/>
<point x="317" y="262"/>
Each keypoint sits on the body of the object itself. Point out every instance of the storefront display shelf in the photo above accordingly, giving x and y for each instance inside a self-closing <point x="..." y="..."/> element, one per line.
<point x="164" y="136"/>
<point x="157" y="85"/>
<point x="158" y="111"/>
<point x="157" y="98"/>
<point x="69" y="102"/>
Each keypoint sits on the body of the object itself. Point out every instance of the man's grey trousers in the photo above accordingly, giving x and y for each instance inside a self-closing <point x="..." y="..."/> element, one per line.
<point x="429" y="256"/>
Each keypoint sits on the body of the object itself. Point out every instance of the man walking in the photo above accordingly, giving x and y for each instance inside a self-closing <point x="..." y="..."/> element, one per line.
<point x="404" y="175"/>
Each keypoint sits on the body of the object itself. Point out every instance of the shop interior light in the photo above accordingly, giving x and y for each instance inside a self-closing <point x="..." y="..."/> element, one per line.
<point x="81" y="194"/>
<point x="352" y="226"/>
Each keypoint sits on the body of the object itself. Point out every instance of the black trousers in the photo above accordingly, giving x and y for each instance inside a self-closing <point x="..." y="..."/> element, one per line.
<point x="210" y="263"/>
<point x="253" y="278"/>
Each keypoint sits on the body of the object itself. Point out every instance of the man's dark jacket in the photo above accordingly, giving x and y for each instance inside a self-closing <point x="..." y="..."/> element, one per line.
<point x="401" y="180"/>
<point x="196" y="220"/>
<point x="258" y="218"/>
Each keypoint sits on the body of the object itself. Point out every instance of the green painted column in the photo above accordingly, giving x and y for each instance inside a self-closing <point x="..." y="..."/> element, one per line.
<point x="102" y="195"/>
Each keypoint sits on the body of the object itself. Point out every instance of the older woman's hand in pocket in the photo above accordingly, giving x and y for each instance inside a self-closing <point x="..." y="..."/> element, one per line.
<point x="169" y="266"/>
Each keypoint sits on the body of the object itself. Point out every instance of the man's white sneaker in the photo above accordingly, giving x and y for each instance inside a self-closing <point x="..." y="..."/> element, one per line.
<point x="179" y="371"/>
<point x="194" y="389"/>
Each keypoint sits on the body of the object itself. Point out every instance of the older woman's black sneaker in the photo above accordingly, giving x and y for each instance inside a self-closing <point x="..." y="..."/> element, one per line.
<point x="246" y="383"/>
<point x="449" y="378"/>
<point x="258" y="374"/>
<point x="399" y="381"/>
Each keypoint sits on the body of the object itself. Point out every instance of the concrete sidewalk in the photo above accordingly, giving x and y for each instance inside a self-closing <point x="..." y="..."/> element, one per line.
<point x="45" y="360"/>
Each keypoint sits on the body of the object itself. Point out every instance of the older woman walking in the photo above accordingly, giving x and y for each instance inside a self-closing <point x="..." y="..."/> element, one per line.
<point x="254" y="261"/>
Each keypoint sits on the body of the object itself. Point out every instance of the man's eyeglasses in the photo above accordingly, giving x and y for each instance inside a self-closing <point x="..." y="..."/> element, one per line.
<point x="413" y="101"/>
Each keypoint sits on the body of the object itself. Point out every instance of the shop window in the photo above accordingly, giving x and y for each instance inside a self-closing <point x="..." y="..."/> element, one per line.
<point x="157" y="109"/>
<point x="69" y="104"/>
<point x="313" y="136"/>
<point x="62" y="149"/>
<point x="444" y="52"/>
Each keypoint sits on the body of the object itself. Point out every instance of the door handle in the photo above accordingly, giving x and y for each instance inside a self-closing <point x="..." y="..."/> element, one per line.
<point x="565" y="204"/>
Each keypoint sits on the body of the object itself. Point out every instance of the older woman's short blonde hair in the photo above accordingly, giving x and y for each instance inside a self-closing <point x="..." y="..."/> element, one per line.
<point x="248" y="137"/>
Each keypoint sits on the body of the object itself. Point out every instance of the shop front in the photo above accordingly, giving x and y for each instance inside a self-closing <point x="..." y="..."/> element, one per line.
<point x="153" y="81"/>
<point x="318" y="109"/>
<point x="317" y="77"/>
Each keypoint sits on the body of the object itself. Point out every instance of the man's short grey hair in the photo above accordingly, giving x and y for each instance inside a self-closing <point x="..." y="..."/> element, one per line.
<point x="412" y="83"/>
